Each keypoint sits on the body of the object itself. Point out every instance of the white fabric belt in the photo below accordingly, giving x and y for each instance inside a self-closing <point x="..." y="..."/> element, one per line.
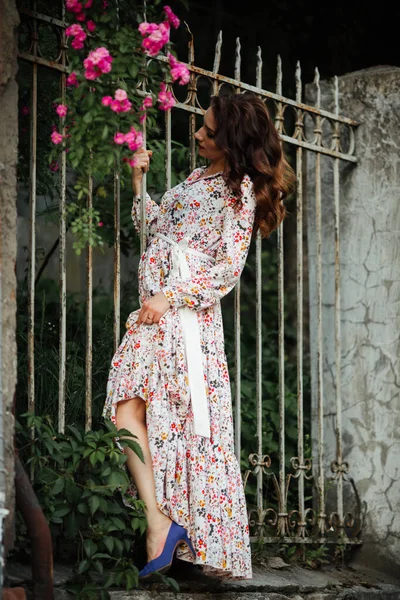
<point x="191" y="336"/>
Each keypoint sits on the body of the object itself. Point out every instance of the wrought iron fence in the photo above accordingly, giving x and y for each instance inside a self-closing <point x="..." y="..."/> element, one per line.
<point x="307" y="129"/>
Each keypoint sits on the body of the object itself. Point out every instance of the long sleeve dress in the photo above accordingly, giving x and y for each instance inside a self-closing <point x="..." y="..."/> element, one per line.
<point x="197" y="477"/>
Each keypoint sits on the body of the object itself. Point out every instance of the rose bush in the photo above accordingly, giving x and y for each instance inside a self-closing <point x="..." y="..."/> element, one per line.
<point x="114" y="86"/>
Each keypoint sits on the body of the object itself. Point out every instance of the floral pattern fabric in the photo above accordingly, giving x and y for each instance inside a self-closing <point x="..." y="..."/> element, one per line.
<point x="198" y="479"/>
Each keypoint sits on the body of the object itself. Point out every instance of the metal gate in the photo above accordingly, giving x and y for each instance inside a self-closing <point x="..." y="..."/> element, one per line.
<point x="271" y="519"/>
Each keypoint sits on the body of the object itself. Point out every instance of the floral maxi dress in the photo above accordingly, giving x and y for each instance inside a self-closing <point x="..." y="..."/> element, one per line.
<point x="198" y="480"/>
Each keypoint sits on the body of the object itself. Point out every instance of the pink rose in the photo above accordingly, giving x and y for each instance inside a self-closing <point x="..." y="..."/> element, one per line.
<point x="56" y="137"/>
<point x="120" y="95"/>
<point x="172" y="18"/>
<point x="116" y="106"/>
<point x="179" y="71"/>
<point x="165" y="98"/>
<point x="126" y="105"/>
<point x="119" y="138"/>
<point x="72" y="80"/>
<point x="62" y="110"/>
<point x="77" y="44"/>
<point x="80" y="17"/>
<point x="91" y="25"/>
<point x="106" y="100"/>
<point x="147" y="102"/>
<point x="54" y="166"/>
<point x="147" y="28"/>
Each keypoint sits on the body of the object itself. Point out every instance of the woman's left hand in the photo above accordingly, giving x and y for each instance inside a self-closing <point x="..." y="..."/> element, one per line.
<point x="153" y="309"/>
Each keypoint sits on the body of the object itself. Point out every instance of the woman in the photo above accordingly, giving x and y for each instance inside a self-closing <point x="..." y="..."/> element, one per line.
<point x="169" y="382"/>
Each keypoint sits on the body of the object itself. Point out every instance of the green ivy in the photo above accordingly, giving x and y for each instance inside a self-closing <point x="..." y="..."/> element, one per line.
<point x="78" y="480"/>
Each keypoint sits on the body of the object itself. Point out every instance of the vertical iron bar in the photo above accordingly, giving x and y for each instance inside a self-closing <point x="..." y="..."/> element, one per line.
<point x="259" y="337"/>
<point x="217" y="61"/>
<point x="168" y="149"/>
<point x="61" y="260"/>
<point x="321" y="483"/>
<point x="89" y="315"/>
<point x="282" y="514"/>
<point x="299" y="283"/>
<point x="238" y="386"/>
<point x="143" y="227"/>
<point x="237" y="62"/>
<point x="192" y="116"/>
<point x="32" y="230"/>
<point x="117" y="258"/>
<point x="3" y="511"/>
<point x="336" y="182"/>
<point x="117" y="231"/>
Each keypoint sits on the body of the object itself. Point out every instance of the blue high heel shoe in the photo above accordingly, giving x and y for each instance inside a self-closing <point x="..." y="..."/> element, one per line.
<point x="176" y="536"/>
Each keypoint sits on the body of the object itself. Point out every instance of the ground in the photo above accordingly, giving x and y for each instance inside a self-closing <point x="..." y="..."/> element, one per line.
<point x="288" y="583"/>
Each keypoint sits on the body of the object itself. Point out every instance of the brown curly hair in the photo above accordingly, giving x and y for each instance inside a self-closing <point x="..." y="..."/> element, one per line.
<point x="251" y="144"/>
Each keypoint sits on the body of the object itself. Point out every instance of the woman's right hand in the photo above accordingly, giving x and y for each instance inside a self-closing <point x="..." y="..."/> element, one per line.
<point x="142" y="157"/>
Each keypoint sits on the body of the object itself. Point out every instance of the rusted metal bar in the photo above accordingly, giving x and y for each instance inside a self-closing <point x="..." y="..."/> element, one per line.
<point x="237" y="62"/>
<point x="285" y="138"/>
<point x="320" y="396"/>
<point x="237" y="325"/>
<point x="33" y="14"/>
<point x="266" y="94"/>
<point x="117" y="259"/>
<point x="259" y="406"/>
<point x="217" y="61"/>
<point x="282" y="505"/>
<point x="62" y="274"/>
<point x="238" y="373"/>
<point x="89" y="317"/>
<point x="3" y="511"/>
<point x="143" y="227"/>
<point x="299" y="297"/>
<point x="192" y="92"/>
<point x="338" y="379"/>
<point x="44" y="62"/>
<point x="32" y="232"/>
<point x="39" y="534"/>
<point x="168" y="155"/>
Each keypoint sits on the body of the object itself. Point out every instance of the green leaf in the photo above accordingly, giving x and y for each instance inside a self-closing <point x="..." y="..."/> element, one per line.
<point x="135" y="523"/>
<point x="118" y="523"/>
<point x="61" y="512"/>
<point x="104" y="133"/>
<point x="72" y="492"/>
<point x="83" y="508"/>
<point x="58" y="486"/>
<point x="88" y="117"/>
<point x="133" y="446"/>
<point x="90" y="548"/>
<point x="75" y="430"/>
<point x="98" y="565"/>
<point x="119" y="547"/>
<point x="133" y="70"/>
<point x="109" y="543"/>
<point x="94" y="504"/>
<point x="174" y="584"/>
<point x="83" y="566"/>
<point x="117" y="478"/>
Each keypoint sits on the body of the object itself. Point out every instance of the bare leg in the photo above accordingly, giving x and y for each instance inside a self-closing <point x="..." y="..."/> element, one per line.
<point x="131" y="415"/>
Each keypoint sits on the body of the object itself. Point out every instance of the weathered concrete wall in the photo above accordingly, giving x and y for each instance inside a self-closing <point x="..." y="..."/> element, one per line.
<point x="8" y="250"/>
<point x="370" y="307"/>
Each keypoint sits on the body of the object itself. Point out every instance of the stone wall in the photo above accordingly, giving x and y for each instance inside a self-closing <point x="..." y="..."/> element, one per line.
<point x="8" y="248"/>
<point x="370" y="307"/>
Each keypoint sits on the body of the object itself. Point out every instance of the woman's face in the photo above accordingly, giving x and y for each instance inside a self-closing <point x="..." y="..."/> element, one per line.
<point x="205" y="138"/>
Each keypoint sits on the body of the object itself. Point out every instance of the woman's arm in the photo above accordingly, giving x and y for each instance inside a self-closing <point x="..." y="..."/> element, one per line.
<point x="206" y="289"/>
